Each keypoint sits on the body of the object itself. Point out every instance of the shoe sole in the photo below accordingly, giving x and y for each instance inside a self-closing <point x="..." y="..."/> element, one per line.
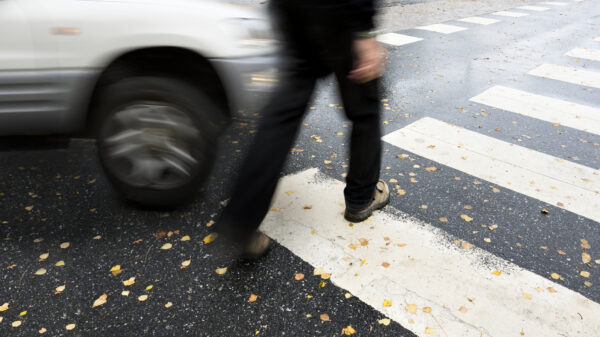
<point x="364" y="215"/>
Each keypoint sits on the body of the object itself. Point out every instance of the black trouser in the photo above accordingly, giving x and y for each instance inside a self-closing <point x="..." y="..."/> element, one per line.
<point x="316" y="45"/>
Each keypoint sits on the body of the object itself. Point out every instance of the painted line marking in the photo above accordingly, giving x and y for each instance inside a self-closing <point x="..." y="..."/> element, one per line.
<point x="572" y="186"/>
<point x="573" y="115"/>
<point x="534" y="8"/>
<point x="465" y="298"/>
<point x="568" y="74"/>
<point x="597" y="39"/>
<point x="554" y="3"/>
<point x="510" y="14"/>
<point x="479" y="20"/>
<point x="585" y="53"/>
<point x="395" y="39"/>
<point x="442" y="28"/>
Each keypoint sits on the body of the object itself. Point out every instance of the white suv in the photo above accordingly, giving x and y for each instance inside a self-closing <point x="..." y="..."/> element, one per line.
<point x="154" y="80"/>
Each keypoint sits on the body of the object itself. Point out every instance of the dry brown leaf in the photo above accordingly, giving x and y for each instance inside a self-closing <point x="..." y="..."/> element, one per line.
<point x="299" y="276"/>
<point x="585" y="244"/>
<point x="307" y="207"/>
<point x="252" y="298"/>
<point x="427" y="310"/>
<point x="385" y="265"/>
<point x="324" y="317"/>
<point x="100" y="300"/>
<point x="545" y="211"/>
<point x="363" y="241"/>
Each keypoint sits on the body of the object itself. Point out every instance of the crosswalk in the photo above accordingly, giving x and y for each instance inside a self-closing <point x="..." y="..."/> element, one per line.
<point x="460" y="289"/>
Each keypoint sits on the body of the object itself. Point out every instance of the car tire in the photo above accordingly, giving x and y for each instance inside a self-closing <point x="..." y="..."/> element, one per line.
<point x="156" y="138"/>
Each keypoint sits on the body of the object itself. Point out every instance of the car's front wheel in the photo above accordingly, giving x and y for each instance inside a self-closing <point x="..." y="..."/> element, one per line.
<point x="156" y="138"/>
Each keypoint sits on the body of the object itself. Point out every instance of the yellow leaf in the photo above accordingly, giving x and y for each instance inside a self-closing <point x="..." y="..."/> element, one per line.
<point x="210" y="238"/>
<point x="100" y="300"/>
<point x="363" y="261"/>
<point x="23" y="313"/>
<point x="526" y="296"/>
<point x="28" y="208"/>
<point x="318" y="271"/>
<point x="252" y="298"/>
<point x="402" y="156"/>
<point x="466" y="218"/>
<point x="384" y="321"/>
<point x="401" y="191"/>
<point x="168" y="305"/>
<point x="348" y="331"/>
<point x="492" y="227"/>
<point x="496" y="272"/>
<point x="429" y="331"/>
<point x="166" y="246"/>
<point x="149" y="287"/>
<point x="585" y="274"/>
<point x="142" y="298"/>
<point x="585" y="257"/>
<point x="65" y="245"/>
<point x="587" y="283"/>
<point x="424" y="207"/>
<point x="348" y="295"/>
<point x="585" y="244"/>
<point x="210" y="223"/>
<point x="185" y="264"/>
<point x="186" y="238"/>
<point x="387" y="303"/>
<point x="561" y="252"/>
<point x="221" y="271"/>
<point x="427" y="309"/>
<point x="16" y="324"/>
<point x="322" y="284"/>
<point x="299" y="276"/>
<point x="324" y="317"/>
<point x="555" y="276"/>
<point x="44" y="257"/>
<point x="129" y="282"/>
<point x="597" y="261"/>
<point x="115" y="268"/>
<point x="4" y="307"/>
<point x="70" y="326"/>
<point x="495" y="190"/>
<point x="60" y="289"/>
<point x="40" y="271"/>
<point x="393" y="181"/>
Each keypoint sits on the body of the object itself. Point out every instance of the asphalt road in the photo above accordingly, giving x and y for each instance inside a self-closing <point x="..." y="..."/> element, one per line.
<point x="54" y="199"/>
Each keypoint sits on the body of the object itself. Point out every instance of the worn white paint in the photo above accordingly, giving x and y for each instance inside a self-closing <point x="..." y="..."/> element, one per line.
<point x="535" y="174"/>
<point x="573" y="115"/>
<point x="568" y="74"/>
<point x="479" y="20"/>
<point x="555" y="3"/>
<point x="395" y="39"/>
<point x="585" y="53"/>
<point x="510" y="14"/>
<point x="534" y="8"/>
<point x="430" y="271"/>
<point x="442" y="28"/>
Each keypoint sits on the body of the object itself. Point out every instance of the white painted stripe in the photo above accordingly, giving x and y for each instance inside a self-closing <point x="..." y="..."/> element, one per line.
<point x="568" y="74"/>
<point x="430" y="271"/>
<point x="597" y="39"/>
<point x="573" y="115"/>
<point x="442" y="28"/>
<point x="534" y="8"/>
<point x="510" y="14"/>
<point x="585" y="53"/>
<point x="397" y="39"/>
<point x="535" y="174"/>
<point x="479" y="20"/>
<point x="554" y="3"/>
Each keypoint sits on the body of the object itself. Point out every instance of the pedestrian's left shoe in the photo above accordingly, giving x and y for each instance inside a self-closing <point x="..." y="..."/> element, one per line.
<point x="257" y="246"/>
<point x="381" y="198"/>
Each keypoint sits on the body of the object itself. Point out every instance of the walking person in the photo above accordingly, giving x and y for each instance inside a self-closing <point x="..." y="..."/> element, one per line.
<point x="320" y="37"/>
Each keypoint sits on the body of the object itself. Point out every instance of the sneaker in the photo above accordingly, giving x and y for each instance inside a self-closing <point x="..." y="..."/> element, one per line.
<point x="258" y="245"/>
<point x="381" y="198"/>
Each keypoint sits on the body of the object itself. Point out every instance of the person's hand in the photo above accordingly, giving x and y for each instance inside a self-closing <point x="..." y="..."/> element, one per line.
<point x="369" y="60"/>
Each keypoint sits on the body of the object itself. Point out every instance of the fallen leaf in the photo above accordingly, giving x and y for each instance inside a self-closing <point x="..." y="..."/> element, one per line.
<point x="561" y="252"/>
<point x="324" y="317"/>
<point x="299" y="276"/>
<point x="186" y="238"/>
<point x="427" y="309"/>
<point x="363" y="241"/>
<point x="4" y="307"/>
<point x="221" y="271"/>
<point x="545" y="211"/>
<point x="16" y="324"/>
<point x="495" y="190"/>
<point x="363" y="261"/>
<point x="543" y="247"/>
<point x="462" y="309"/>
<point x="348" y="295"/>
<point x="116" y="270"/>
<point x="252" y="298"/>
<point x="585" y="274"/>
<point x="23" y="313"/>
<point x="431" y="169"/>
<point x="443" y="219"/>
<point x="466" y="218"/>
<point x="149" y="287"/>
<point x="384" y="321"/>
<point x="168" y="305"/>
<point x="97" y="237"/>
<point x="42" y="331"/>
<point x="401" y="191"/>
<point x="551" y="290"/>
<point x="497" y="273"/>
<point x="70" y="326"/>
<point x="492" y="227"/>
<point x="28" y="208"/>
<point x="60" y="263"/>
<point x="166" y="246"/>
<point x="125" y="293"/>
<point x="65" y="245"/>
<point x="352" y="246"/>
<point x="466" y="245"/>
<point x="587" y="283"/>
<point x="185" y="264"/>
<point x="129" y="282"/>
<point x="385" y="265"/>
<point x="348" y="331"/>
<point x="210" y="238"/>
<point x="60" y="289"/>
<point x="318" y="271"/>
<point x="387" y="303"/>
<point x="555" y="276"/>
<point x="401" y="244"/>
<point x="142" y="298"/>
<point x="424" y="207"/>
<point x="585" y="257"/>
<point x="429" y="331"/>
<point x="100" y="300"/>
<point x="322" y="284"/>
<point x="526" y="296"/>
<point x="585" y="244"/>
<point x="412" y="308"/>
<point x="210" y="223"/>
<point x="488" y="240"/>
<point x="307" y="207"/>
<point x="43" y="257"/>
<point x="40" y="271"/>
<point x="275" y="209"/>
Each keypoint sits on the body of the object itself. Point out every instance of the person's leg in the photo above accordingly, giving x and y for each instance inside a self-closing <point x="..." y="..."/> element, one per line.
<point x="260" y="171"/>
<point x="361" y="104"/>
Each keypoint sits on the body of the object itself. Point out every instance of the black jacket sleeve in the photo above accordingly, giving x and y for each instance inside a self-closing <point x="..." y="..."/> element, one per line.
<point x="361" y="15"/>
